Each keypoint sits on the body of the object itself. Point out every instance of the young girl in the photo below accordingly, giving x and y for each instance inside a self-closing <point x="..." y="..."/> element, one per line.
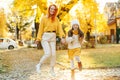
<point x="74" y="40"/>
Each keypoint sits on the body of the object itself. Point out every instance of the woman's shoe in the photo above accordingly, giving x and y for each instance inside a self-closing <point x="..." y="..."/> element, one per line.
<point x="38" y="68"/>
<point x="52" y="71"/>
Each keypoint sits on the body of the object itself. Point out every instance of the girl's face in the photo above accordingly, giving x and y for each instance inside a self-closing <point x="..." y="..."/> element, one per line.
<point x="75" y="26"/>
<point x="52" y="10"/>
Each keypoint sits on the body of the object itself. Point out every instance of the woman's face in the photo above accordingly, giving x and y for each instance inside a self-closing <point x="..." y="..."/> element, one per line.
<point x="75" y="26"/>
<point x="52" y="10"/>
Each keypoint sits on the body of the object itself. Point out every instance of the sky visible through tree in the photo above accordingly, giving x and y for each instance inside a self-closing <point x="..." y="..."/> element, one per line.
<point x="102" y="4"/>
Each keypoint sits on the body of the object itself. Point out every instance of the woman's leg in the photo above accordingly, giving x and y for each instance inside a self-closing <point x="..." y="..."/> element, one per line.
<point x="47" y="53"/>
<point x="53" y="57"/>
<point x="53" y="54"/>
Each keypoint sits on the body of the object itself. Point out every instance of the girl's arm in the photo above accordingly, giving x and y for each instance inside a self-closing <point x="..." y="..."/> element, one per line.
<point x="69" y="39"/>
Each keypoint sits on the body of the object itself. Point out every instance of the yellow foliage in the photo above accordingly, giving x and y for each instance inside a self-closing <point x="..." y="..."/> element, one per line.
<point x="42" y="5"/>
<point x="38" y="15"/>
<point x="65" y="8"/>
<point x="101" y="23"/>
<point x="24" y="7"/>
<point x="87" y="13"/>
<point x="67" y="29"/>
<point x="3" y="27"/>
<point x="26" y="35"/>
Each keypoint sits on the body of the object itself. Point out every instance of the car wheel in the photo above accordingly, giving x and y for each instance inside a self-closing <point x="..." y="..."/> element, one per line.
<point x="11" y="47"/>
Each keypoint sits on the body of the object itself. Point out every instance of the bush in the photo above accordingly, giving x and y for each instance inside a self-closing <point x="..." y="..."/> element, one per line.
<point x="60" y="46"/>
<point x="103" y="39"/>
<point x="86" y="45"/>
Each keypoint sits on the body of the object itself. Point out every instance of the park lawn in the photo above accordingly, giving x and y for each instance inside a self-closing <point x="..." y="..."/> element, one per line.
<point x="100" y="57"/>
<point x="104" y="57"/>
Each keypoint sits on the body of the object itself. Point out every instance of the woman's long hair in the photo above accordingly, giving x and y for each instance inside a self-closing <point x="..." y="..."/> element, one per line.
<point x="55" y="13"/>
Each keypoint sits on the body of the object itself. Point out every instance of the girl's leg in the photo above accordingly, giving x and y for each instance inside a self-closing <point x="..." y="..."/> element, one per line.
<point x="53" y="57"/>
<point x="72" y="70"/>
<point x="79" y="62"/>
<point x="77" y="58"/>
<point x="72" y="64"/>
<point x="47" y="53"/>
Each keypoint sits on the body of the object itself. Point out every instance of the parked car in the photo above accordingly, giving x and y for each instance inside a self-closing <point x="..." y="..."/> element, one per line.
<point x="6" y="43"/>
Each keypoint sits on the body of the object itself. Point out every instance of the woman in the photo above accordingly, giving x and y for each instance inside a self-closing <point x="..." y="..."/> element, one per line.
<point x="48" y="28"/>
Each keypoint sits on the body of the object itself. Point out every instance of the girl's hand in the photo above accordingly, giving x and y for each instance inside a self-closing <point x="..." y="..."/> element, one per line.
<point x="81" y="40"/>
<point x="37" y="42"/>
<point x="73" y="37"/>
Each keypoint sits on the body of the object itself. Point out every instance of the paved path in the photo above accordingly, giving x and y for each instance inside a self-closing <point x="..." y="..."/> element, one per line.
<point x="85" y="74"/>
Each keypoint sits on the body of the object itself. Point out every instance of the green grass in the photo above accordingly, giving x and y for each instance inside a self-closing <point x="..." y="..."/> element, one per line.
<point x="103" y="57"/>
<point x="101" y="60"/>
<point x="1" y="67"/>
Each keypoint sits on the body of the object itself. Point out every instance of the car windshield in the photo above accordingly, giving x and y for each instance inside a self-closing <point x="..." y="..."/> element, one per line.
<point x="7" y="40"/>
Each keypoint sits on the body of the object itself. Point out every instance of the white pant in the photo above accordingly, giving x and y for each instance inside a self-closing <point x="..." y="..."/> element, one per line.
<point x="72" y="62"/>
<point x="49" y="46"/>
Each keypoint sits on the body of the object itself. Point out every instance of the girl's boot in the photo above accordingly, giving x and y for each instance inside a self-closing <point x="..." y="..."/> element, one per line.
<point x="80" y="66"/>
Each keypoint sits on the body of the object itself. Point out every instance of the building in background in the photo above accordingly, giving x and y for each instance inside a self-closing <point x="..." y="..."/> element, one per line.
<point x="112" y="13"/>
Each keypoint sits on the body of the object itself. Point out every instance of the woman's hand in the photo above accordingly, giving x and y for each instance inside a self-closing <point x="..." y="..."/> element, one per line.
<point x="63" y="41"/>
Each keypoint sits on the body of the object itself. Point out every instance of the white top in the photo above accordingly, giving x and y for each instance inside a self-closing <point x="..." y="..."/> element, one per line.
<point x="73" y="42"/>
